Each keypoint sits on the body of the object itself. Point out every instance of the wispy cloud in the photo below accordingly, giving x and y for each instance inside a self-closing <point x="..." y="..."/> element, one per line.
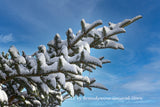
<point x="45" y="18"/>
<point x="6" y="38"/>
<point x="143" y="85"/>
<point x="147" y="78"/>
<point x="153" y="65"/>
<point x="107" y="78"/>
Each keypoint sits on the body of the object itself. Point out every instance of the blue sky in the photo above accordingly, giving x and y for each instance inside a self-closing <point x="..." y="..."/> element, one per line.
<point x="133" y="72"/>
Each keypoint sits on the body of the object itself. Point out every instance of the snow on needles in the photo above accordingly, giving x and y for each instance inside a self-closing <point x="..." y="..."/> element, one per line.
<point x="52" y="75"/>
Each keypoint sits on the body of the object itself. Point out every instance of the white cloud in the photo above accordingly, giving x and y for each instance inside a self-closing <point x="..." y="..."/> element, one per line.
<point x="142" y="85"/>
<point x="154" y="50"/>
<point x="6" y="38"/>
<point x="153" y="66"/>
<point x="147" y="79"/>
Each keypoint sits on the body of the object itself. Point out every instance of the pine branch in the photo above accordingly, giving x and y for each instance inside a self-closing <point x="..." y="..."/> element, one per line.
<point x="85" y="29"/>
<point x="50" y="76"/>
<point x="118" y="28"/>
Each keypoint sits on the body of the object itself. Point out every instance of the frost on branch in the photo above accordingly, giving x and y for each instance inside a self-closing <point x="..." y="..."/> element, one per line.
<point x="52" y="75"/>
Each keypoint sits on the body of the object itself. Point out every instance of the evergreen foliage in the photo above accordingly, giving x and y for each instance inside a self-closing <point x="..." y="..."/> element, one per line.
<point x="50" y="76"/>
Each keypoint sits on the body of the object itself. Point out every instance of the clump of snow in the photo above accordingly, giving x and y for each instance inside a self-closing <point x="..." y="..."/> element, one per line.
<point x="69" y="88"/>
<point x="37" y="102"/>
<point x="3" y="96"/>
<point x="13" y="51"/>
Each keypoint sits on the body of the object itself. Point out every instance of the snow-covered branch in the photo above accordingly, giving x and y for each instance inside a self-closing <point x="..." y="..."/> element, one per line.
<point x="50" y="76"/>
